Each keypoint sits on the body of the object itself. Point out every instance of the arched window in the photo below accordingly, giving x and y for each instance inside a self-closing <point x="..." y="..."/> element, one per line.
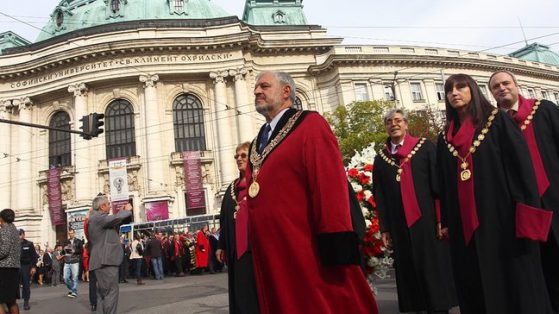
<point x="298" y="104"/>
<point x="115" y="5"/>
<point x="120" y="135"/>
<point x="60" y="150"/>
<point x="188" y="120"/>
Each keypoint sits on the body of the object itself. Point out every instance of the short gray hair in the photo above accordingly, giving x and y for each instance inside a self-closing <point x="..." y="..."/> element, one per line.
<point x="391" y="114"/>
<point x="285" y="79"/>
<point x="98" y="201"/>
<point x="502" y="71"/>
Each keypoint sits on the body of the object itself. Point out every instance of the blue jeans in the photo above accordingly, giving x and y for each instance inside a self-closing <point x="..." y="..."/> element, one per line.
<point x="138" y="267"/>
<point x="157" y="267"/>
<point x="71" y="276"/>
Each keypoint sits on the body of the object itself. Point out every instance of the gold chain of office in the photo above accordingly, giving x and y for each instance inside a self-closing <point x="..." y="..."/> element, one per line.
<point x="466" y="174"/>
<point x="406" y="159"/>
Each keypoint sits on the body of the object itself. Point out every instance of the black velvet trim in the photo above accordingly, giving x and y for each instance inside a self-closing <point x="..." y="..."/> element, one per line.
<point x="338" y="248"/>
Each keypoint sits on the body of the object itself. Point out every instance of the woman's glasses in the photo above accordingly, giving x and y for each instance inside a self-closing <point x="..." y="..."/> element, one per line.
<point x="242" y="155"/>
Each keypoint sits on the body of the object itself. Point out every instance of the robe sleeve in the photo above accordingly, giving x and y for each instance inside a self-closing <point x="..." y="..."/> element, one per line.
<point x="441" y="150"/>
<point x="384" y="214"/>
<point x="434" y="178"/>
<point x="223" y="223"/>
<point x="532" y="222"/>
<point x="337" y="243"/>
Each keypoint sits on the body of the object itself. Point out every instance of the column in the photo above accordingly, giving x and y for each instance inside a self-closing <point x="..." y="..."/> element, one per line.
<point x="153" y="161"/>
<point x="24" y="165"/>
<point x="245" y="123"/>
<point x="82" y="154"/>
<point x="226" y="142"/>
<point x="5" y="152"/>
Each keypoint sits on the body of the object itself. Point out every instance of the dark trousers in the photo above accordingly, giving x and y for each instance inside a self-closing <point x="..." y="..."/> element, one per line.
<point x="107" y="288"/>
<point x="178" y="265"/>
<point x="550" y="262"/>
<point x="123" y="269"/>
<point x="24" y="280"/>
<point x="92" y="288"/>
<point x="138" y="267"/>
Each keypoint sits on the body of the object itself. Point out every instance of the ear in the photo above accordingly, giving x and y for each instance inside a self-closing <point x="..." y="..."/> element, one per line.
<point x="286" y="91"/>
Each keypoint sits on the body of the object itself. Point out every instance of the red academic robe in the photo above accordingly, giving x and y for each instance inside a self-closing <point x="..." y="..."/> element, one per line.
<point x="202" y="249"/>
<point x="304" y="248"/>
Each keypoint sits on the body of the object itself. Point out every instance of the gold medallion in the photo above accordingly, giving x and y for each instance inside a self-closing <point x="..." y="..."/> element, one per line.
<point x="398" y="177"/>
<point x="253" y="189"/>
<point x="465" y="175"/>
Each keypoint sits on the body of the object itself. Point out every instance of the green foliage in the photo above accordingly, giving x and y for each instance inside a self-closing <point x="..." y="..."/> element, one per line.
<point x="427" y="122"/>
<point x="358" y="124"/>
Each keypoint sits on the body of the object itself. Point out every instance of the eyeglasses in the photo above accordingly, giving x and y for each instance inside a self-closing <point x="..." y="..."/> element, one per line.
<point x="242" y="155"/>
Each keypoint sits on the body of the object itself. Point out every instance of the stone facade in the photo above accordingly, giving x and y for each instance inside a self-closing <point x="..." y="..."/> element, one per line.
<point x="215" y="61"/>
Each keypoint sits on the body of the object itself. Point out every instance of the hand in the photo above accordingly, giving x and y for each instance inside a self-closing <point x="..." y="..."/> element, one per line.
<point x="33" y="271"/>
<point x="386" y="240"/>
<point x="127" y="207"/>
<point x="219" y="255"/>
<point x="442" y="233"/>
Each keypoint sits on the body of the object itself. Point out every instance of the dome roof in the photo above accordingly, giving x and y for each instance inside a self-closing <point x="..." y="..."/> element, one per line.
<point x="71" y="15"/>
<point x="538" y="53"/>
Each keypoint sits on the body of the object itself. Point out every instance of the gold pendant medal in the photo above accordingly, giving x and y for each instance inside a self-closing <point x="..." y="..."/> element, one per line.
<point x="398" y="175"/>
<point x="253" y="189"/>
<point x="465" y="174"/>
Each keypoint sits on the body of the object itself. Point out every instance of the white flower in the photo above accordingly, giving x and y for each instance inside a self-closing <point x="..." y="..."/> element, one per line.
<point x="356" y="187"/>
<point x="373" y="262"/>
<point x="368" y="223"/>
<point x="364" y="210"/>
<point x="368" y="194"/>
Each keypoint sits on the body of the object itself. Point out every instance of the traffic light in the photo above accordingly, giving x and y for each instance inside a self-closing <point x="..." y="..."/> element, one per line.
<point x="97" y="123"/>
<point x="86" y="128"/>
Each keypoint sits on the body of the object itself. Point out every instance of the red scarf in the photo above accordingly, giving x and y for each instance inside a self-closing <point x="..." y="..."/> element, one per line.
<point x="241" y="222"/>
<point x="462" y="142"/>
<point x="524" y="109"/>
<point x="407" y="187"/>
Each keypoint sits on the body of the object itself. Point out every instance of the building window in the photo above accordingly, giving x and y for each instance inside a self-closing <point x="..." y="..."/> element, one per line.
<point x="361" y="93"/>
<point x="115" y="5"/>
<point x="178" y="5"/>
<point x="544" y="95"/>
<point x="298" y="104"/>
<point x="60" y="150"/>
<point x="388" y="93"/>
<point x="416" y="91"/>
<point x="439" y="87"/>
<point x="531" y="93"/>
<point x="188" y="120"/>
<point x="120" y="133"/>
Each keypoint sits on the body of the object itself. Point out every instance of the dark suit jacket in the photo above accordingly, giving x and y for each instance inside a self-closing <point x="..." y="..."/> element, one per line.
<point x="106" y="249"/>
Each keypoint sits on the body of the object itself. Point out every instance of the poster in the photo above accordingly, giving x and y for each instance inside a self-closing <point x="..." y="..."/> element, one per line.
<point x="75" y="221"/>
<point x="118" y="180"/>
<point x="195" y="196"/>
<point x="55" y="197"/>
<point x="157" y="210"/>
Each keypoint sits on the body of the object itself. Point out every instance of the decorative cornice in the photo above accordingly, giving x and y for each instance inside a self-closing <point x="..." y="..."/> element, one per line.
<point x="23" y="103"/>
<point x="238" y="74"/>
<point x="149" y="80"/>
<point x="79" y="89"/>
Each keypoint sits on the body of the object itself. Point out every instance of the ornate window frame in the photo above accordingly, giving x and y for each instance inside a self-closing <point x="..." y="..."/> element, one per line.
<point x="178" y="7"/>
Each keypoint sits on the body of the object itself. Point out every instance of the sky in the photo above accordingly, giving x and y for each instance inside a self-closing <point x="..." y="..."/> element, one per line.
<point x="476" y="25"/>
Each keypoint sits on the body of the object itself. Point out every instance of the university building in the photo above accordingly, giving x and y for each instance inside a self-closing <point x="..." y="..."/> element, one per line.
<point x="175" y="76"/>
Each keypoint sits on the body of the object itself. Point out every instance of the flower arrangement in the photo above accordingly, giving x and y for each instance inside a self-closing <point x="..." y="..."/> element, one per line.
<point x="359" y="172"/>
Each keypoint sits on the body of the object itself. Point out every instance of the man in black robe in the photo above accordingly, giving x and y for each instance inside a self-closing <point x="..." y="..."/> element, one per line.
<point x="405" y="191"/>
<point x="539" y="122"/>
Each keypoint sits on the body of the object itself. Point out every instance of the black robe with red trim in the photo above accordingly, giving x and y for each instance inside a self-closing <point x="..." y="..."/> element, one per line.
<point x="497" y="272"/>
<point x="546" y="130"/>
<point x="305" y="253"/>
<point x="422" y="262"/>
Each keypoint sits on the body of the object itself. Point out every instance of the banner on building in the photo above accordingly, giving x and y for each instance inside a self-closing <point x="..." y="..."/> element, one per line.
<point x="118" y="180"/>
<point x="55" y="197"/>
<point x="75" y="220"/>
<point x="157" y="210"/>
<point x="192" y="164"/>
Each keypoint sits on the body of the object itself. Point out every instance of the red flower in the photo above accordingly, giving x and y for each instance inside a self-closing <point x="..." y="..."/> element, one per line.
<point x="352" y="173"/>
<point x="371" y="201"/>
<point x="361" y="195"/>
<point x="368" y="167"/>
<point x="364" y="179"/>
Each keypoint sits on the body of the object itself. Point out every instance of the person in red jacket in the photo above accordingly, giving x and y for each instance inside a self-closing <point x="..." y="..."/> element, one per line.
<point x="202" y="250"/>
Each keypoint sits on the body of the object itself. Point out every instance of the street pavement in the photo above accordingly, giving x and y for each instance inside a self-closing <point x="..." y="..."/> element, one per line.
<point x="192" y="294"/>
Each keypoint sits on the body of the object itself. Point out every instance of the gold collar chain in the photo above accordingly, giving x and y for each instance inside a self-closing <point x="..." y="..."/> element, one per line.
<point x="466" y="174"/>
<point x="530" y="116"/>
<point x="258" y="159"/>
<point x="234" y="198"/>
<point x="408" y="158"/>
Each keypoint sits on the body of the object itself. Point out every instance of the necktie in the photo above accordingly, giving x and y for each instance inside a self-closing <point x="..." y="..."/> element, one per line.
<point x="264" y="138"/>
<point x="396" y="148"/>
<point x="512" y="113"/>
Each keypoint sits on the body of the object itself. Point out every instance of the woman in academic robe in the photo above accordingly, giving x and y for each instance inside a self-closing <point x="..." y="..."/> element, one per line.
<point x="242" y="284"/>
<point x="490" y="205"/>
<point x="202" y="249"/>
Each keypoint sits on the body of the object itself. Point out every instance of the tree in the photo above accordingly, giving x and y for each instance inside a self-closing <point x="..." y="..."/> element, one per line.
<point x="427" y="122"/>
<point x="359" y="124"/>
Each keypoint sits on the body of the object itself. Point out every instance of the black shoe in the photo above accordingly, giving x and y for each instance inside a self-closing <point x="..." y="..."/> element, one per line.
<point x="94" y="308"/>
<point x="26" y="305"/>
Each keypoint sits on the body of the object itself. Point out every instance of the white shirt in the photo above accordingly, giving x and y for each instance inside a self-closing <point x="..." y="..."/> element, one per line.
<point x="393" y="147"/>
<point x="275" y="121"/>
